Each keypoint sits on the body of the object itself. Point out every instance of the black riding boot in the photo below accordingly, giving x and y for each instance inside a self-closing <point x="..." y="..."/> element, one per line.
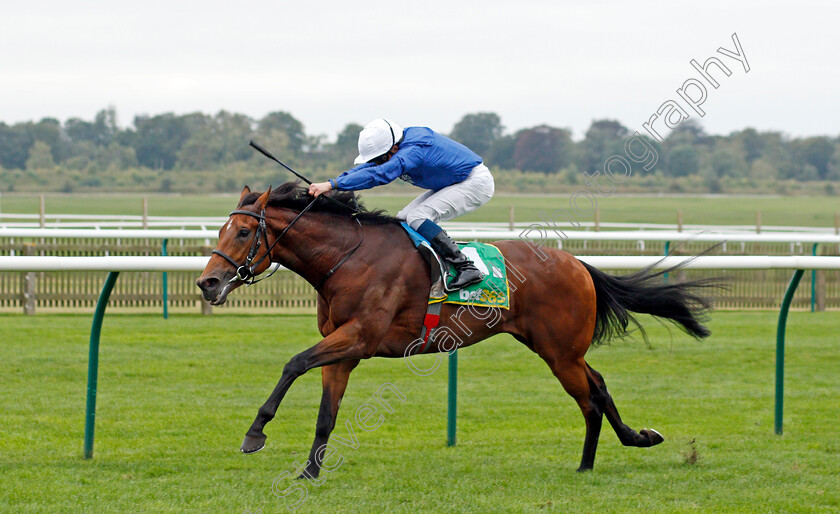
<point x="466" y="273"/>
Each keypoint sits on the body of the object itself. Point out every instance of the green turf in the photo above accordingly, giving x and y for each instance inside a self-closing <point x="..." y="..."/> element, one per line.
<point x="806" y="211"/>
<point x="175" y="398"/>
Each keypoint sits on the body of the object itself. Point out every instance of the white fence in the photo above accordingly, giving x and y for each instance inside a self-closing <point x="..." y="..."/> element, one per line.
<point x="215" y="222"/>
<point x="33" y="291"/>
<point x="533" y="232"/>
<point x="161" y="264"/>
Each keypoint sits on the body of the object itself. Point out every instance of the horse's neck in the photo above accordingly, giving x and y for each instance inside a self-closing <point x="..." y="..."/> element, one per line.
<point x="316" y="243"/>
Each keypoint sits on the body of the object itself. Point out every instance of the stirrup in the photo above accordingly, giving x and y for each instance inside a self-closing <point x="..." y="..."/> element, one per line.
<point x="479" y="277"/>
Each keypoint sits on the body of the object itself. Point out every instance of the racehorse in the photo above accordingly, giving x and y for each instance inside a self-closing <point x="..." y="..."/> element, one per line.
<point x="373" y="289"/>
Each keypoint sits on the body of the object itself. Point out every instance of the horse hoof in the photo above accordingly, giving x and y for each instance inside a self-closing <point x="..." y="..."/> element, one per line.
<point x="252" y="444"/>
<point x="654" y="436"/>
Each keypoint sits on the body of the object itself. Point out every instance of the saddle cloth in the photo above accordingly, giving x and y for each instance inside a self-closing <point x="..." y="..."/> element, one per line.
<point x="493" y="291"/>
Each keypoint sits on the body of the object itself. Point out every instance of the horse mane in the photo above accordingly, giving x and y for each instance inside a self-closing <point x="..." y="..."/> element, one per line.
<point x="292" y="195"/>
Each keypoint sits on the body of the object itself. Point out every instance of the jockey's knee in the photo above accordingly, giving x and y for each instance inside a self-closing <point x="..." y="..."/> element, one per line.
<point x="414" y="220"/>
<point x="428" y="229"/>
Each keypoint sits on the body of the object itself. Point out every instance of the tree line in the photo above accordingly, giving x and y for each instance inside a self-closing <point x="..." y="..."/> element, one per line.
<point x="200" y="152"/>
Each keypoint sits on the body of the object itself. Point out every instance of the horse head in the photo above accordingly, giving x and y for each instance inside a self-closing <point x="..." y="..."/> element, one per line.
<point x="242" y="252"/>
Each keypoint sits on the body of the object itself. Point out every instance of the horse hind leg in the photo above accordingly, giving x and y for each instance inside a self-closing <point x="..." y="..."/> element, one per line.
<point x="575" y="382"/>
<point x="587" y="387"/>
<point x="574" y="379"/>
<point x="645" y="438"/>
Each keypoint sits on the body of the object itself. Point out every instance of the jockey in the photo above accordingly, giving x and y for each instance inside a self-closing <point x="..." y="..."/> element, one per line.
<point x="457" y="180"/>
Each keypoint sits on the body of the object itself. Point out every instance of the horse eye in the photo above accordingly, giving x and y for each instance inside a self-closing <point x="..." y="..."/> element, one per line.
<point x="243" y="232"/>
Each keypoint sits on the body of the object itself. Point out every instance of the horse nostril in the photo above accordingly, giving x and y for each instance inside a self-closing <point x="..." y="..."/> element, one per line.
<point x="208" y="284"/>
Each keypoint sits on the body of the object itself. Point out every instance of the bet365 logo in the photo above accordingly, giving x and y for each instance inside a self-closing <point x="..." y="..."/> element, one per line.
<point x="467" y="296"/>
<point x="484" y="295"/>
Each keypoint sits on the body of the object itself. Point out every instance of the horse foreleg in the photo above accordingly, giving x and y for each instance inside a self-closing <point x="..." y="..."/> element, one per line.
<point x="628" y="437"/>
<point x="343" y="344"/>
<point x="334" y="379"/>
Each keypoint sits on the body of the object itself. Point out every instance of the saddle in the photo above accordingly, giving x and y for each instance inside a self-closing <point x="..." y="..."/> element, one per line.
<point x="491" y="292"/>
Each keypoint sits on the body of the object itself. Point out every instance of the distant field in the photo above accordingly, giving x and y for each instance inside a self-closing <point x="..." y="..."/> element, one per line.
<point x="730" y="210"/>
<point x="175" y="398"/>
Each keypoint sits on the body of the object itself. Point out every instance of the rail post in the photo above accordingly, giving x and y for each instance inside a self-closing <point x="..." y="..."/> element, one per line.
<point x="30" y="287"/>
<point x="813" y="280"/>
<point x="452" y="407"/>
<point x="165" y="284"/>
<point x="780" y="348"/>
<point x="93" y="361"/>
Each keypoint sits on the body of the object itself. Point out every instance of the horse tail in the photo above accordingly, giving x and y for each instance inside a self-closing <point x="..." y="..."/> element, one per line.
<point x="644" y="292"/>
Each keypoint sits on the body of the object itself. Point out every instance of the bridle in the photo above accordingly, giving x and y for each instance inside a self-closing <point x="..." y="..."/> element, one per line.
<point x="245" y="271"/>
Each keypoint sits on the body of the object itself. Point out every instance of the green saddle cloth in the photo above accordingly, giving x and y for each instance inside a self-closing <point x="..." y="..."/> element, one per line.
<point x="493" y="290"/>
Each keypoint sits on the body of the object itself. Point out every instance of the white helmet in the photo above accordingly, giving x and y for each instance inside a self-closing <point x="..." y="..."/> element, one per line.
<point x="377" y="138"/>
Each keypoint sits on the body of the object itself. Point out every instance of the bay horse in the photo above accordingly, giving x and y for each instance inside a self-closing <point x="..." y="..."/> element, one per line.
<point x="373" y="289"/>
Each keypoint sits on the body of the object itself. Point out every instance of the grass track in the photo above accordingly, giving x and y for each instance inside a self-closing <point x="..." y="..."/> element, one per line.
<point x="175" y="398"/>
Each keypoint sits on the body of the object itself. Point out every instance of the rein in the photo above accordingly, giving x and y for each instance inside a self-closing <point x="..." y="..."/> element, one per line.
<point x="245" y="271"/>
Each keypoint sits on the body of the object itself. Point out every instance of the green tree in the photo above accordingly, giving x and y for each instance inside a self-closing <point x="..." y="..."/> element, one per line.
<point x="777" y="150"/>
<point x="543" y="148"/>
<point x="285" y="123"/>
<point x="763" y="169"/>
<point x="100" y="132"/>
<point x="834" y="165"/>
<point x="157" y="140"/>
<point x="15" y="143"/>
<point x="690" y="132"/>
<point x="603" y="139"/>
<point x="727" y="159"/>
<point x="50" y="132"/>
<point x="752" y="143"/>
<point x="40" y="157"/>
<point x="115" y="156"/>
<point x="78" y="129"/>
<point x="478" y="131"/>
<point x="222" y="139"/>
<point x="346" y="146"/>
<point x="816" y="151"/>
<point x="234" y="131"/>
<point x="202" y="151"/>
<point x="500" y="154"/>
<point x="683" y="160"/>
<point x="277" y="142"/>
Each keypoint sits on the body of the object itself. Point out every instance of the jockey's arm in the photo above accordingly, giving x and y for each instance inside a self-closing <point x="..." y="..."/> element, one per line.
<point x="368" y="175"/>
<point x="319" y="188"/>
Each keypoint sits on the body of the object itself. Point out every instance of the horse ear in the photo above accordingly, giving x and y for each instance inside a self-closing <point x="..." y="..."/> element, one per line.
<point x="262" y="201"/>
<point x="245" y="190"/>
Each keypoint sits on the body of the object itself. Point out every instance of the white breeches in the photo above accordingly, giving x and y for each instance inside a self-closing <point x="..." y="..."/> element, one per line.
<point x="451" y="201"/>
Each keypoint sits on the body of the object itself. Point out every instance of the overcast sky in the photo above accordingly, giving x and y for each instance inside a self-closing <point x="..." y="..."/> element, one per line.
<point x="421" y="63"/>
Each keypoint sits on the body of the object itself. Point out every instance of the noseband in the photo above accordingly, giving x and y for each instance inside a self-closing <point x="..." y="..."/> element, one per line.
<point x="245" y="271"/>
